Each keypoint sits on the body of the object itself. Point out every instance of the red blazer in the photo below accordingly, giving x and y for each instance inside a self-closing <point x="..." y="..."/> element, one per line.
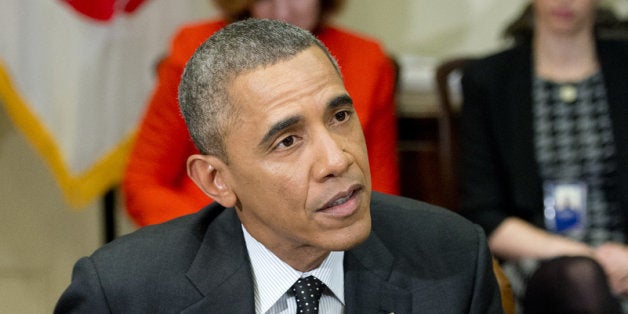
<point x="156" y="186"/>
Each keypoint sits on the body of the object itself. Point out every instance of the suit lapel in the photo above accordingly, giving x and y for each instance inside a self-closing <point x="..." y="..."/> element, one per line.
<point x="221" y="270"/>
<point x="368" y="269"/>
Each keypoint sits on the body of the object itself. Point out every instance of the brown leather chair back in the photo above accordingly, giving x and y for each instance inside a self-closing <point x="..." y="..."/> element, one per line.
<point x="448" y="129"/>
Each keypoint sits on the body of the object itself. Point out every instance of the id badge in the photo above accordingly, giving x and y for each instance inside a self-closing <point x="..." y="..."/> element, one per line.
<point x="565" y="207"/>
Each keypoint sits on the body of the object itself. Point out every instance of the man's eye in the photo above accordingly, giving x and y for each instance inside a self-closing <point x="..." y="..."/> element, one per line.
<point x="342" y="115"/>
<point x="286" y="142"/>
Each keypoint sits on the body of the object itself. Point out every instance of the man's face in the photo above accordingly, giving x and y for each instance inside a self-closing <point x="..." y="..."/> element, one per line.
<point x="297" y="157"/>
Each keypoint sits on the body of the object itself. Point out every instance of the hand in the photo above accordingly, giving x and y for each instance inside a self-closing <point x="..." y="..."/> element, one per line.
<point x="614" y="259"/>
<point x="516" y="239"/>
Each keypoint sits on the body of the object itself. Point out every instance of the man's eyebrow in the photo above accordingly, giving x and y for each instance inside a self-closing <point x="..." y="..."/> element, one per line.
<point x="279" y="127"/>
<point x="341" y="100"/>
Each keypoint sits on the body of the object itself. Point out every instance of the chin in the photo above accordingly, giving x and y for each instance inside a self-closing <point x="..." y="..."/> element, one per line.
<point x="351" y="236"/>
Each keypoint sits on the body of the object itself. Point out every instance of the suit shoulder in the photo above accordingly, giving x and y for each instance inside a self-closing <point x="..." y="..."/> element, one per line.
<point x="351" y="37"/>
<point x="416" y="233"/>
<point x="159" y="244"/>
<point x="345" y="45"/>
<point x="495" y="64"/>
<point x="190" y="36"/>
<point x="418" y="219"/>
<point x="199" y="29"/>
<point x="613" y="49"/>
<point x="614" y="43"/>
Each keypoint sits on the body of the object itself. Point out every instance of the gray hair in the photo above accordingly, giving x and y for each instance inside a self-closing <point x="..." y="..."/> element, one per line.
<point x="238" y="48"/>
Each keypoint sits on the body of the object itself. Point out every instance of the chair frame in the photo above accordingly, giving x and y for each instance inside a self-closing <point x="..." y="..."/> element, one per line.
<point x="447" y="130"/>
<point x="448" y="158"/>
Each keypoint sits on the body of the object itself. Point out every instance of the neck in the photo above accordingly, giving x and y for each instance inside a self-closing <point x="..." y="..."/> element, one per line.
<point x="299" y="256"/>
<point x="302" y="258"/>
<point x="564" y="57"/>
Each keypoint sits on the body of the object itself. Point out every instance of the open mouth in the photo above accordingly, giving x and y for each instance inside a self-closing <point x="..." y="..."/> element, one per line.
<point x="341" y="200"/>
<point x="343" y="204"/>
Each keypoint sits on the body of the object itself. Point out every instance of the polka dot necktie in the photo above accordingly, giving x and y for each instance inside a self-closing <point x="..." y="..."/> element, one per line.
<point x="308" y="292"/>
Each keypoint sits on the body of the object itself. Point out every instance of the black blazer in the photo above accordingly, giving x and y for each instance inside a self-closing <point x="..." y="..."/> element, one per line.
<point x="499" y="172"/>
<point x="418" y="259"/>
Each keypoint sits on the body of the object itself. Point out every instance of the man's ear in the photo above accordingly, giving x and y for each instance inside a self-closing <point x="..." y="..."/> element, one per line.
<point x="209" y="174"/>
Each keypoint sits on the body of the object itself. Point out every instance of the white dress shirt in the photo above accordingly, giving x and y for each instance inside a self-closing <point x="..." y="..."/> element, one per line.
<point x="273" y="278"/>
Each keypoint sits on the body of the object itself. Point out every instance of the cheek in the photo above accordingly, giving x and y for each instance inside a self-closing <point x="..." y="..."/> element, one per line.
<point x="262" y="10"/>
<point x="308" y="15"/>
<point x="284" y="179"/>
<point x="271" y="191"/>
<point x="360" y="151"/>
<point x="357" y="137"/>
<point x="313" y="6"/>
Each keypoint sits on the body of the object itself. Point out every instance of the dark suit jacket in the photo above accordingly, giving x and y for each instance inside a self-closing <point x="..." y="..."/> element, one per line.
<point x="499" y="173"/>
<point x="418" y="259"/>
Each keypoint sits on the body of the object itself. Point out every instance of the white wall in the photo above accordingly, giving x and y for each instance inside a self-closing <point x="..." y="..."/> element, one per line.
<point x="436" y="28"/>
<point x="41" y="237"/>
<point x="439" y="28"/>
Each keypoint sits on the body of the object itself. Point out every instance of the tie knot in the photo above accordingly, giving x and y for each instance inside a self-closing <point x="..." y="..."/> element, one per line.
<point x="307" y="292"/>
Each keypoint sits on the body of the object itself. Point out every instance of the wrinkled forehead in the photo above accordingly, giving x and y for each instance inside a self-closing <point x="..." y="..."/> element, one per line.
<point x="313" y="48"/>
<point x="307" y="63"/>
<point x="294" y="86"/>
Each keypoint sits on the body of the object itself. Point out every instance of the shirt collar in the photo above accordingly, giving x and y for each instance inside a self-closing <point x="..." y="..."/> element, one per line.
<point x="272" y="277"/>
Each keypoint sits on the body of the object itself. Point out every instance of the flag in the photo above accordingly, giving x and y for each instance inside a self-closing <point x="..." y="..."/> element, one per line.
<point x="75" y="76"/>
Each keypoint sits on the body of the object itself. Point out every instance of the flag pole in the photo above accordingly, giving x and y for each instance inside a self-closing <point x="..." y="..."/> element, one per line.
<point x="109" y="215"/>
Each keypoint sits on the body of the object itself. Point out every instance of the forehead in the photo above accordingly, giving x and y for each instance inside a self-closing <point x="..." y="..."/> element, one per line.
<point x="309" y="75"/>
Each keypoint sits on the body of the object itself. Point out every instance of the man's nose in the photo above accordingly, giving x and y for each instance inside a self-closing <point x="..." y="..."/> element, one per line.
<point x="331" y="158"/>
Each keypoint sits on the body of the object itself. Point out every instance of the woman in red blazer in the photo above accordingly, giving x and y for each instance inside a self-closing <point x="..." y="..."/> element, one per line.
<point x="156" y="186"/>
